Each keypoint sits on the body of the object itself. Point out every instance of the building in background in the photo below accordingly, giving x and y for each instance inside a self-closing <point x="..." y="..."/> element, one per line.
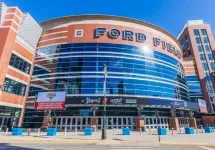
<point x="198" y="46"/>
<point x="19" y="35"/>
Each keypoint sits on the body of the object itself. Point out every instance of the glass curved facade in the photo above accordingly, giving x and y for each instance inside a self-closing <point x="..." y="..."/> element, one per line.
<point x="132" y="71"/>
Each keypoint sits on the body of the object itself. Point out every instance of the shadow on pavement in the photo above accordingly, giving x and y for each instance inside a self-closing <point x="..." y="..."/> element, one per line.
<point x="5" y="146"/>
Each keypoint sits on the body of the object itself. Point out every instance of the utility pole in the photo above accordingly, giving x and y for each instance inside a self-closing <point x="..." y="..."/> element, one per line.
<point x="104" y="103"/>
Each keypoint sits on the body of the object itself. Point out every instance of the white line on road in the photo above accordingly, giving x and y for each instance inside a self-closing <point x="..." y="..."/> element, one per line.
<point x="130" y="147"/>
<point x="206" y="148"/>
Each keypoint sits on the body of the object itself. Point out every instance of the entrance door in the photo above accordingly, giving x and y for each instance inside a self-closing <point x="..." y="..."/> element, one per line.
<point x="7" y="121"/>
<point x="81" y="122"/>
<point x="183" y="122"/>
<point x="71" y="123"/>
<point x="120" y="122"/>
<point x="152" y="122"/>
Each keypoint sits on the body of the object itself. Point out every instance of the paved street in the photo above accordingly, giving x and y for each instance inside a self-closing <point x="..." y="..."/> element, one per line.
<point x="70" y="146"/>
<point x="115" y="141"/>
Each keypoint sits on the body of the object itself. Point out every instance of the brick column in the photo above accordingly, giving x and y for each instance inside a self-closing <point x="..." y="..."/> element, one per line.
<point x="46" y="121"/>
<point x="94" y="123"/>
<point x="208" y="120"/>
<point x="139" y="122"/>
<point x="174" y="123"/>
<point x="192" y="122"/>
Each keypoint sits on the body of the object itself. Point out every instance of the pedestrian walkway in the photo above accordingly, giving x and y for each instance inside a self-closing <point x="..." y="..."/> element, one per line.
<point x="116" y="137"/>
<point x="131" y="147"/>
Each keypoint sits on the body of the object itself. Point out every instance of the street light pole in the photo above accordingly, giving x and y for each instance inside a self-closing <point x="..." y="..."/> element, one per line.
<point x="104" y="101"/>
<point x="157" y="114"/>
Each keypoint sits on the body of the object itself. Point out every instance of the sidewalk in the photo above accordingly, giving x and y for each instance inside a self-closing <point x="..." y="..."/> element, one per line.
<point x="117" y="138"/>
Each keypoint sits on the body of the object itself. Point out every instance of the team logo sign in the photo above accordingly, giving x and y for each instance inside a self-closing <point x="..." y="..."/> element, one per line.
<point x="51" y="95"/>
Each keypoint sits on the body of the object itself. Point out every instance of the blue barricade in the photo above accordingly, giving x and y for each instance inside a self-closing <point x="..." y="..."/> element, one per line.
<point x="162" y="131"/>
<point x="189" y="130"/>
<point x="88" y="131"/>
<point x="17" y="131"/>
<point x="126" y="131"/>
<point x="208" y="129"/>
<point x="51" y="131"/>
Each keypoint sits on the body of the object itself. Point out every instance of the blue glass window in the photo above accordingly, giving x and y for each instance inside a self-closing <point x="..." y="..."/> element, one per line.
<point x="78" y="69"/>
<point x="14" y="87"/>
<point x="20" y="64"/>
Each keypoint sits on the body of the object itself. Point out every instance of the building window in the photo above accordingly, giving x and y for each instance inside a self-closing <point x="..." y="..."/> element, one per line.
<point x="19" y="64"/>
<point x="198" y="40"/>
<point x="206" y="41"/>
<point x="200" y="48"/>
<point x="205" y="66"/>
<point x="208" y="48"/>
<point x="210" y="57"/>
<point x="196" y="32"/>
<point x="186" y="37"/>
<point x="202" y="57"/>
<point x="212" y="65"/>
<point x="204" y="32"/>
<point x="182" y="44"/>
<point x="187" y="44"/>
<point x="14" y="87"/>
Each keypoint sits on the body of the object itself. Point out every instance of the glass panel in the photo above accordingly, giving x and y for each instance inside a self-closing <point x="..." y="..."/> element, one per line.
<point x="54" y="121"/>
<point x="99" y="121"/>
<point x="119" y="121"/>
<point x="73" y="121"/>
<point x="79" y="121"/>
<point x="68" y="121"/>
<point x="109" y="121"/>
<point x="84" y="121"/>
<point x="114" y="121"/>
<point x="58" y="121"/>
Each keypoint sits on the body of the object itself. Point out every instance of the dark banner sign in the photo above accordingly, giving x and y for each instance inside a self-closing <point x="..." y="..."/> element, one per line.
<point x="110" y="100"/>
<point x="173" y="103"/>
<point x="90" y="100"/>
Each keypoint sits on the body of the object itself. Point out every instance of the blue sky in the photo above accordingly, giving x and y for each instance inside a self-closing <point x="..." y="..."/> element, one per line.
<point x="170" y="15"/>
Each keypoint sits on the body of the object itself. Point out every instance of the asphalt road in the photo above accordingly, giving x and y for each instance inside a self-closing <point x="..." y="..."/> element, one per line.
<point x="72" y="146"/>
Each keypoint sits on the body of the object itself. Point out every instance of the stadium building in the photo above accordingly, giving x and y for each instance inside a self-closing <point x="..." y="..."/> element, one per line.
<point x="137" y="66"/>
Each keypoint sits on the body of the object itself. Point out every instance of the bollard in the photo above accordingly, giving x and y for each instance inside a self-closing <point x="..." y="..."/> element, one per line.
<point x="197" y="130"/>
<point x="172" y="131"/>
<point x="0" y="130"/>
<point x="6" y="131"/>
<point x="75" y="131"/>
<point x="202" y="129"/>
<point x="149" y="130"/>
<point x="213" y="129"/>
<point x="113" y="131"/>
<point x="38" y="132"/>
<point x="29" y="131"/>
<point x="140" y="131"/>
<point x="180" y="130"/>
<point x="65" y="132"/>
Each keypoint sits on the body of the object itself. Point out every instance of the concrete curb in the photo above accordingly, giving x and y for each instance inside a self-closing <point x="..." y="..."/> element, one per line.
<point x="52" y="141"/>
<point x="105" y="142"/>
<point x="186" y="144"/>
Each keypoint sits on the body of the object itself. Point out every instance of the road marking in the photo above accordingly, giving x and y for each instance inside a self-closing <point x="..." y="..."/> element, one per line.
<point x="206" y="148"/>
<point x="130" y="147"/>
